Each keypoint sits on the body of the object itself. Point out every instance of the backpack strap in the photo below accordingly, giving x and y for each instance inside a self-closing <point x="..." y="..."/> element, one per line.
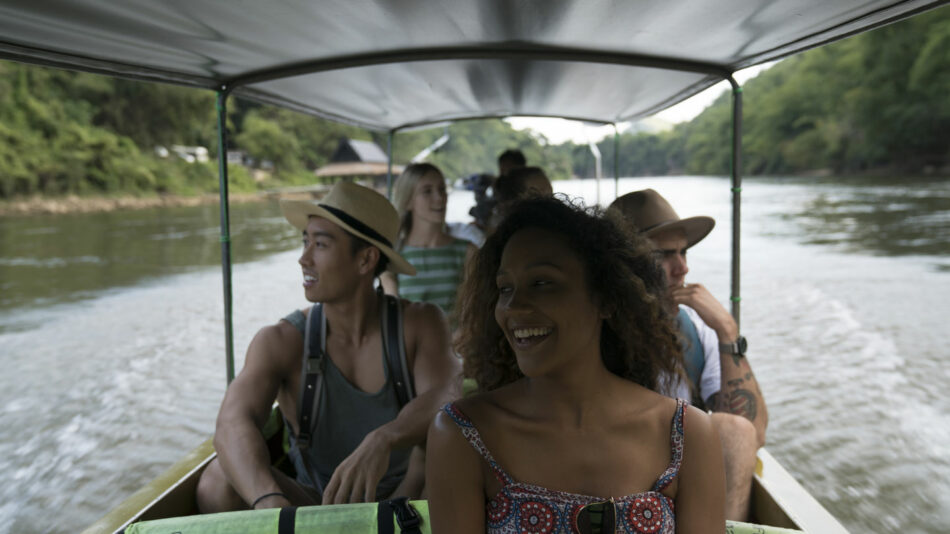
<point x="394" y="345"/>
<point x="407" y="517"/>
<point x="314" y="349"/>
<point x="287" y="520"/>
<point x="315" y="346"/>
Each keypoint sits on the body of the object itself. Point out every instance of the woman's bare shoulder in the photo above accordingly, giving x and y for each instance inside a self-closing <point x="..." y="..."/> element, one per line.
<point x="642" y="403"/>
<point x="475" y="411"/>
<point x="489" y="406"/>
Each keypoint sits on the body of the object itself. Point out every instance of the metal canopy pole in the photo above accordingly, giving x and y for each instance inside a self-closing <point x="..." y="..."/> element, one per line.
<point x="598" y="165"/>
<point x="222" y="108"/>
<point x="735" y="297"/>
<point x="616" y="162"/>
<point x="389" y="166"/>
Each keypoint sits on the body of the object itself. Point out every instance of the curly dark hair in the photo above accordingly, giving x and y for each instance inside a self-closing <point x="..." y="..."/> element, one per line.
<point x="639" y="340"/>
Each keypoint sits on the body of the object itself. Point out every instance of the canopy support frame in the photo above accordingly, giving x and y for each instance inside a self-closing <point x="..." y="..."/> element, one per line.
<point x="506" y="51"/>
<point x="221" y="107"/>
<point x="616" y="162"/>
<point x="735" y="293"/>
<point x="510" y="51"/>
<point x="390" y="139"/>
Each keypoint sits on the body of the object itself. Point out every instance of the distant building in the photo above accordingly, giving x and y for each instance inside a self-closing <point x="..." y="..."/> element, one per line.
<point x="237" y="157"/>
<point x="362" y="151"/>
<point x="191" y="154"/>
<point x="358" y="159"/>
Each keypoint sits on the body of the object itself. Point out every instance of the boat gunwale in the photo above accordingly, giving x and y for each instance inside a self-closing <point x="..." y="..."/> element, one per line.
<point x="806" y="514"/>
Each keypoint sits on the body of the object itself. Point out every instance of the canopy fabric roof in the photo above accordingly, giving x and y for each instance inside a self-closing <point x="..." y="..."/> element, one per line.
<point x="390" y="64"/>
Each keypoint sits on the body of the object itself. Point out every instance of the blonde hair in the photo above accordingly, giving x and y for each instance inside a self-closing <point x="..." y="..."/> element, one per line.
<point x="402" y="195"/>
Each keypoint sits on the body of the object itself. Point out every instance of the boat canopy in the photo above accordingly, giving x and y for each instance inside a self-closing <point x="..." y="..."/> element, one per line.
<point x="393" y="64"/>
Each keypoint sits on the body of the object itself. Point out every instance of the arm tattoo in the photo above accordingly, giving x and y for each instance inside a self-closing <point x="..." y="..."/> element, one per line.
<point x="742" y="402"/>
<point x="735" y="382"/>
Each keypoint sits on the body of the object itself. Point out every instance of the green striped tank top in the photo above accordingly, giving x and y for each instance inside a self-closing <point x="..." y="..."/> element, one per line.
<point x="439" y="273"/>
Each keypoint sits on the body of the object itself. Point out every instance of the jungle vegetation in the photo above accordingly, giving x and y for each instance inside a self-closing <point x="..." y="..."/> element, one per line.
<point x="875" y="103"/>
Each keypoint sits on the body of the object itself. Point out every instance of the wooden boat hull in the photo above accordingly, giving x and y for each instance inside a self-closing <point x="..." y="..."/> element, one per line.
<point x="779" y="500"/>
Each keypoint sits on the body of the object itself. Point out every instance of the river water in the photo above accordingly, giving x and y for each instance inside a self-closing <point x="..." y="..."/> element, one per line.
<point x="111" y="339"/>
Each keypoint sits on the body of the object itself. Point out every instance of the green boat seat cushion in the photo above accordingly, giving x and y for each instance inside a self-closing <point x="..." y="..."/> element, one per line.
<point x="335" y="519"/>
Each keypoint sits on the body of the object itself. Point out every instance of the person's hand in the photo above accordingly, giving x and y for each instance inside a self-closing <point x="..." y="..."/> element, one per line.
<point x="697" y="297"/>
<point x="357" y="476"/>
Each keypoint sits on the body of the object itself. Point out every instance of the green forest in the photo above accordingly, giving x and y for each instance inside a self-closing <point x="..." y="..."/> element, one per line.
<point x="875" y="103"/>
<point x="878" y="102"/>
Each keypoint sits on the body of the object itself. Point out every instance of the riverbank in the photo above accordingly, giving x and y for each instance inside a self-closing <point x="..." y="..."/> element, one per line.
<point x="77" y="204"/>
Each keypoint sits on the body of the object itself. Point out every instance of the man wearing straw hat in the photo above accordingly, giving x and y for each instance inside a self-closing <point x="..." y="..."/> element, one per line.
<point x="720" y="377"/>
<point x="359" y="446"/>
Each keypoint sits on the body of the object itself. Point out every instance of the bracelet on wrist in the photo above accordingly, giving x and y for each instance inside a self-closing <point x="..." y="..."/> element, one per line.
<point x="266" y="495"/>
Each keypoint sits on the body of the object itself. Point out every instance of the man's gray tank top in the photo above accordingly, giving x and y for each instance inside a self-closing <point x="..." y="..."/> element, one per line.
<point x="345" y="416"/>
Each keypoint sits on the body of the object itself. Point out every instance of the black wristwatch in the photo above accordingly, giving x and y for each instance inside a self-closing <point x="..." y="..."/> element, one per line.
<point x="737" y="347"/>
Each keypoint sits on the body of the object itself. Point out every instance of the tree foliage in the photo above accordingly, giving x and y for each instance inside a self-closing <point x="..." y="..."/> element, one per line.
<point x="474" y="146"/>
<point x="879" y="101"/>
<point x="64" y="132"/>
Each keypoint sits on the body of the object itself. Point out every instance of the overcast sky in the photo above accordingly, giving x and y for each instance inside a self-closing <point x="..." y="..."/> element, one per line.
<point x="560" y="130"/>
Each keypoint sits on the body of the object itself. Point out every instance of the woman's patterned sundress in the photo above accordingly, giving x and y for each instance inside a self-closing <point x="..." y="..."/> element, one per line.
<point x="526" y="508"/>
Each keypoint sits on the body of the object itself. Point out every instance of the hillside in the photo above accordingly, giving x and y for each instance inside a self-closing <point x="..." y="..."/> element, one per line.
<point x="875" y="103"/>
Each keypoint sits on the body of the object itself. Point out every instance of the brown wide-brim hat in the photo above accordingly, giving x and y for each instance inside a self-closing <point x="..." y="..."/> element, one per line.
<point x="358" y="210"/>
<point x="651" y="214"/>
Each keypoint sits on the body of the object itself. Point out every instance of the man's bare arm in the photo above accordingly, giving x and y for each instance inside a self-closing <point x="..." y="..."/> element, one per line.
<point x="436" y="375"/>
<point x="245" y="409"/>
<point x="739" y="393"/>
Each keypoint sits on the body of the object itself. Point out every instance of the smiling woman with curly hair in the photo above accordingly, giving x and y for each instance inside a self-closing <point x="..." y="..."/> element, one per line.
<point x="562" y="326"/>
<point x="638" y="341"/>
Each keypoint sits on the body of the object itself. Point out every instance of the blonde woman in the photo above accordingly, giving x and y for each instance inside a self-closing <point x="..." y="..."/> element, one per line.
<point x="439" y="258"/>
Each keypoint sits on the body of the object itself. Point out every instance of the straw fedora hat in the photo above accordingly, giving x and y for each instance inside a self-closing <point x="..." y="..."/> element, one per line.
<point x="651" y="214"/>
<point x="358" y="210"/>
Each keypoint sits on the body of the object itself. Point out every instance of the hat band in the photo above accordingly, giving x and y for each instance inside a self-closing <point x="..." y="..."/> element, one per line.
<point x="652" y="226"/>
<point x="356" y="224"/>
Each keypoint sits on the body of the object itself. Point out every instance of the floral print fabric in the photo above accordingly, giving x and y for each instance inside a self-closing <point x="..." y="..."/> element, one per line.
<point x="526" y="508"/>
